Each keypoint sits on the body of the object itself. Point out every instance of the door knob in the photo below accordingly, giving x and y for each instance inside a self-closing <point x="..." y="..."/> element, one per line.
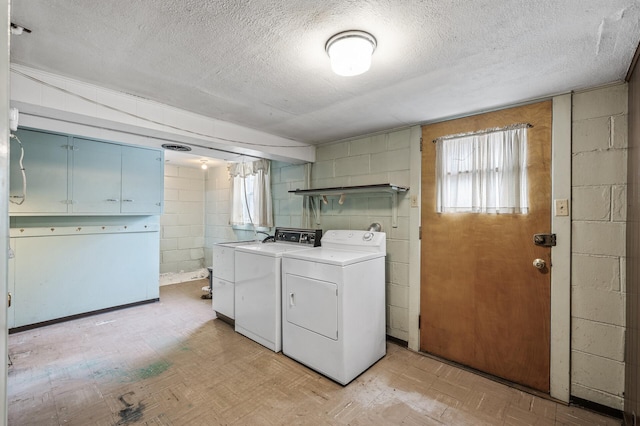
<point x="539" y="264"/>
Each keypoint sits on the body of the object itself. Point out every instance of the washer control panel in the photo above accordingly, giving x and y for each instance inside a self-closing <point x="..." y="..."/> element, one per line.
<point x="355" y="240"/>
<point x="310" y="237"/>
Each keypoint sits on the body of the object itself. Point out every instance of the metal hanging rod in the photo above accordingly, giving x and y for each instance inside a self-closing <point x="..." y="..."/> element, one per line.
<point x="485" y="131"/>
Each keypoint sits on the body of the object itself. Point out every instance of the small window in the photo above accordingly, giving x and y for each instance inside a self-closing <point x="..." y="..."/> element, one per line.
<point x="483" y="172"/>
<point x="251" y="194"/>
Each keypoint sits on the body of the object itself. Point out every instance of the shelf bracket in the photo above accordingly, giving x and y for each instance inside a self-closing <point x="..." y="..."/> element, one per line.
<point x="394" y="209"/>
<point x="317" y="210"/>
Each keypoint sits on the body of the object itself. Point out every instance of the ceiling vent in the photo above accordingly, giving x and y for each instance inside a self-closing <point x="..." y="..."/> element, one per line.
<point x="176" y="147"/>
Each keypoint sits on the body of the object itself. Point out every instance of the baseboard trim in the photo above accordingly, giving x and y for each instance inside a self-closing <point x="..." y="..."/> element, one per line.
<point x="594" y="406"/>
<point x="82" y="315"/>
<point x="397" y="341"/>
<point x="169" y="278"/>
<point x="226" y="319"/>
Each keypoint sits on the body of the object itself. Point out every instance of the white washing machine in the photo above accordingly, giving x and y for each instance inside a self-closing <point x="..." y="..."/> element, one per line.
<point x="223" y="282"/>
<point x="333" y="304"/>
<point x="258" y="285"/>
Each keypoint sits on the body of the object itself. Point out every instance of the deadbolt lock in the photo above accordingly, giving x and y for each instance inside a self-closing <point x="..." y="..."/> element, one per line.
<point x="544" y="240"/>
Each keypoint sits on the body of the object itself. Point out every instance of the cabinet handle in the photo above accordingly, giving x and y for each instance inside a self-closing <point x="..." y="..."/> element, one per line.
<point x="112" y="199"/>
<point x="127" y="201"/>
<point x="158" y="204"/>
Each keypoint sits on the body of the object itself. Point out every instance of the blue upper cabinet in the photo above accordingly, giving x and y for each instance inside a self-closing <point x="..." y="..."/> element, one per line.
<point x="142" y="191"/>
<point x="96" y="177"/>
<point x="46" y="163"/>
<point x="69" y="175"/>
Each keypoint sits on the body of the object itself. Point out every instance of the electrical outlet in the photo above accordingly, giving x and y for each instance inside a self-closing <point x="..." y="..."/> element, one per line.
<point x="562" y="207"/>
<point x="414" y="201"/>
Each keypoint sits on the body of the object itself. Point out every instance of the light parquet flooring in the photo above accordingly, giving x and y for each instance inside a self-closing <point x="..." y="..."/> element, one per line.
<point x="172" y="363"/>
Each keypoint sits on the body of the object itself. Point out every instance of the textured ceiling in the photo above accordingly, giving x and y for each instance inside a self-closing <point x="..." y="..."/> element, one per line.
<point x="262" y="63"/>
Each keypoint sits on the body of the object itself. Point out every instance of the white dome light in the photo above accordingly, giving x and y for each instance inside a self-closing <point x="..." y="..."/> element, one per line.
<point x="350" y="52"/>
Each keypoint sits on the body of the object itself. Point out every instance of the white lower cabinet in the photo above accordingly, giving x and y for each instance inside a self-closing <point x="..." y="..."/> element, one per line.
<point x="223" y="297"/>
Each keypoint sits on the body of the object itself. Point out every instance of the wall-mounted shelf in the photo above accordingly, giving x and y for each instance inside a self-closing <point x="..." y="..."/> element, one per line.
<point x="343" y="191"/>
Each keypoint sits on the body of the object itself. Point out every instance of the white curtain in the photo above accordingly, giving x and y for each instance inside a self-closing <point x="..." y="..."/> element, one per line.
<point x="483" y="173"/>
<point x="251" y="193"/>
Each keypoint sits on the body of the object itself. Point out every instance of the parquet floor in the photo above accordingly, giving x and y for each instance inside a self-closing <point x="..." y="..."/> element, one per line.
<point x="171" y="363"/>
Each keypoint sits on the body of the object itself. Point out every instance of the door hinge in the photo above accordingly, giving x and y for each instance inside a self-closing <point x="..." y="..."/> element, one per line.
<point x="419" y="232"/>
<point x="419" y="320"/>
<point x="420" y="144"/>
<point x="544" y="240"/>
<point x="9" y="300"/>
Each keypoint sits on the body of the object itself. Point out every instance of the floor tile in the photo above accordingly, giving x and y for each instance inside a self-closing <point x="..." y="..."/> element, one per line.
<point x="174" y="363"/>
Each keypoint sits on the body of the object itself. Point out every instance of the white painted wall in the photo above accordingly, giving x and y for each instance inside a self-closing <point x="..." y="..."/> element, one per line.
<point x="599" y="183"/>
<point x="4" y="197"/>
<point x="182" y="225"/>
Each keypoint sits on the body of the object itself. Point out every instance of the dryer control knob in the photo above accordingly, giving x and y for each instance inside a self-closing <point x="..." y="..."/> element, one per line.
<point x="367" y="236"/>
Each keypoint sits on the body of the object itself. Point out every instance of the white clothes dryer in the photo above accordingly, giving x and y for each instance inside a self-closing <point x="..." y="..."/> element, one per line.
<point x="333" y="304"/>
<point x="258" y="285"/>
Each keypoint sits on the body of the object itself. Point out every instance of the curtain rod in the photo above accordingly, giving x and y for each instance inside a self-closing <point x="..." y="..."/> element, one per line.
<point x="485" y="131"/>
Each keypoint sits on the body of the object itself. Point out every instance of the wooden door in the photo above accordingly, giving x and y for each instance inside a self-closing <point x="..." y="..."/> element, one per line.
<point x="483" y="303"/>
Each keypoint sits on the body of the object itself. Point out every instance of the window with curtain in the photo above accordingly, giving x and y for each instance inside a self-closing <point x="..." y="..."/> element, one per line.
<point x="251" y="194"/>
<point x="483" y="172"/>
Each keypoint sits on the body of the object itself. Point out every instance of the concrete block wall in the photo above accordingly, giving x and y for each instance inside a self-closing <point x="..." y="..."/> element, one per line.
<point x="599" y="183"/>
<point x="377" y="159"/>
<point x="287" y="208"/>
<point x="182" y="223"/>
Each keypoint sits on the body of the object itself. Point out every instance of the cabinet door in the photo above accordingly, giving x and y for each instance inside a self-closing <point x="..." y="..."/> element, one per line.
<point x="45" y="163"/>
<point x="11" y="284"/>
<point x="59" y="276"/>
<point x="96" y="177"/>
<point x="142" y="181"/>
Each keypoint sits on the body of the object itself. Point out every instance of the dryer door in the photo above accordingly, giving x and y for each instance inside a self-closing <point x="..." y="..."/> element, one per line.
<point x="312" y="304"/>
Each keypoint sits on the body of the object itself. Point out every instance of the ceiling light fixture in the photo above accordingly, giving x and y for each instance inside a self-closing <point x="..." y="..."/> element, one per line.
<point x="350" y="52"/>
<point x="204" y="164"/>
